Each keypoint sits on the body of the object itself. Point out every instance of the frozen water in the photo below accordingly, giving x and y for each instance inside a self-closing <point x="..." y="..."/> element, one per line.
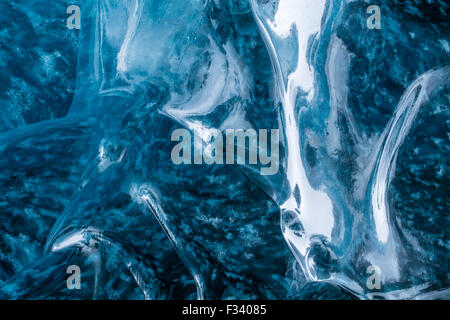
<point x="358" y="208"/>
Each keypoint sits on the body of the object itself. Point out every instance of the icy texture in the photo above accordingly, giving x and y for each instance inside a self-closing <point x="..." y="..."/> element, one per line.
<point x="363" y="178"/>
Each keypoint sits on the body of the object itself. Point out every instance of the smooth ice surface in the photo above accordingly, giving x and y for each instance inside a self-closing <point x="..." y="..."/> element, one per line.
<point x="86" y="176"/>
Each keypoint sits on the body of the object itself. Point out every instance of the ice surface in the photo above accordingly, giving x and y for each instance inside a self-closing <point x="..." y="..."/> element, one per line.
<point x="363" y="179"/>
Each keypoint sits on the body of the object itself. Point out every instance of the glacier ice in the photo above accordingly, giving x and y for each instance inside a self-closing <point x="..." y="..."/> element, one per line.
<point x="361" y="193"/>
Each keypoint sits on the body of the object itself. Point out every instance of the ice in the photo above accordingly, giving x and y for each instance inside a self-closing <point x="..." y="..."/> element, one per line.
<point x="86" y="176"/>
